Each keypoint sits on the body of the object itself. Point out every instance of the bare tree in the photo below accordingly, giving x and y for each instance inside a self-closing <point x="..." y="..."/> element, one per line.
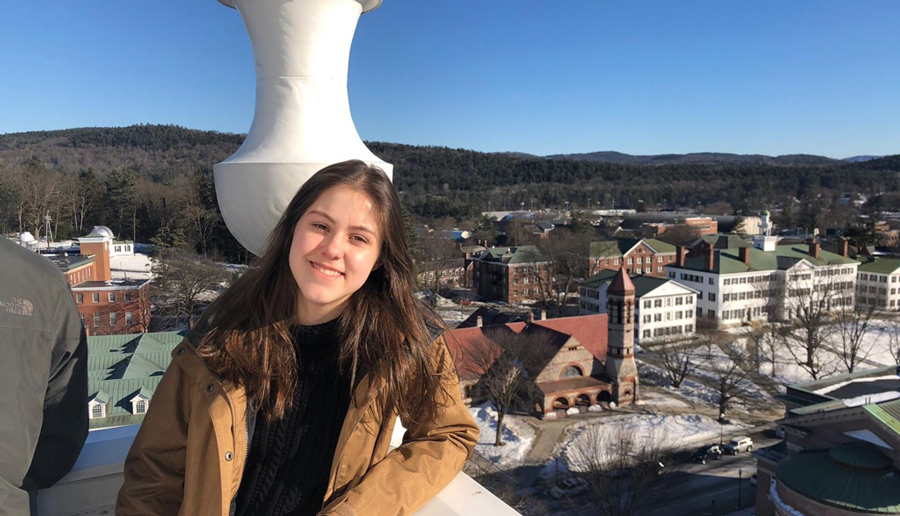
<point x="809" y="305"/>
<point x="183" y="283"/>
<point x="677" y="362"/>
<point x="561" y="259"/>
<point x="85" y="191"/>
<point x="764" y="339"/>
<point x="621" y="467"/>
<point x="509" y="363"/>
<point x="893" y="337"/>
<point x="854" y="328"/>
<point x="730" y="379"/>
<point x="437" y="256"/>
<point x="709" y="335"/>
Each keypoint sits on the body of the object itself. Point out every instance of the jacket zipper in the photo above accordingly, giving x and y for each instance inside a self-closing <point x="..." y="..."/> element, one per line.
<point x="249" y="411"/>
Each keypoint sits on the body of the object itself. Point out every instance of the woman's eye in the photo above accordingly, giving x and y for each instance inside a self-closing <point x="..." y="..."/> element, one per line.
<point x="360" y="239"/>
<point x="318" y="225"/>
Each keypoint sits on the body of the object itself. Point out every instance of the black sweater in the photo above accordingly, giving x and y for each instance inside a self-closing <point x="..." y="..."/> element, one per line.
<point x="289" y="460"/>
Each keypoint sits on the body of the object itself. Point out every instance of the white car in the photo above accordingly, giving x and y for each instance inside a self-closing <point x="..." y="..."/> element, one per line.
<point x="739" y="444"/>
<point x="569" y="487"/>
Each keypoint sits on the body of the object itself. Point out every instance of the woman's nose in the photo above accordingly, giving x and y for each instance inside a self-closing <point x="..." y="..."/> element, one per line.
<point x="332" y="247"/>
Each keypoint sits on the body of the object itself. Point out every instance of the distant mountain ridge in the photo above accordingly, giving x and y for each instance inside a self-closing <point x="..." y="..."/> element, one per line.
<point x="696" y="158"/>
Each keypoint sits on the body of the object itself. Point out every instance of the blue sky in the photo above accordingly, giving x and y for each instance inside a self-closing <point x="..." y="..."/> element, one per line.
<point x="543" y="77"/>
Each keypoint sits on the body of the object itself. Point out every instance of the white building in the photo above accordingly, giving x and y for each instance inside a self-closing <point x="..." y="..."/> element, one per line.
<point x="878" y="284"/>
<point x="744" y="284"/>
<point x="665" y="309"/>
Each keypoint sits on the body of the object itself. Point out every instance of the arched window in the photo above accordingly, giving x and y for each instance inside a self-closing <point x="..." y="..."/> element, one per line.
<point x="572" y="371"/>
<point x="140" y="407"/>
<point x="97" y="411"/>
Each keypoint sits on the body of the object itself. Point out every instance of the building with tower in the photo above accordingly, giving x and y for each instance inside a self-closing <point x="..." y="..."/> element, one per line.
<point x="620" y="368"/>
<point x="107" y="306"/>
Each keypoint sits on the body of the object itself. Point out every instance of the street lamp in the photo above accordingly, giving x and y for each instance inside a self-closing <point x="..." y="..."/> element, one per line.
<point x="721" y="427"/>
<point x="740" y="474"/>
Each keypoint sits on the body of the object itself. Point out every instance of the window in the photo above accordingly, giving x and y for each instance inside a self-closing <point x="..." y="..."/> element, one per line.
<point x="659" y="259"/>
<point x="711" y="314"/>
<point x="687" y="314"/>
<point x="679" y="300"/>
<point x="647" y="318"/>
<point x="657" y="303"/>
<point x="616" y="261"/>
<point x="646" y="334"/>
<point x="572" y="371"/>
<point x="647" y="304"/>
<point x="710" y="281"/>
<point x="140" y="406"/>
<point x="629" y="261"/>
<point x="128" y="319"/>
<point x="79" y="298"/>
<point x="668" y="301"/>
<point x="639" y="260"/>
<point x="96" y="297"/>
<point x="112" y="297"/>
<point x="113" y="319"/>
<point x="679" y="315"/>
<point x="96" y="320"/>
<point x="711" y="296"/>
<point x="97" y="411"/>
<point x="657" y="317"/>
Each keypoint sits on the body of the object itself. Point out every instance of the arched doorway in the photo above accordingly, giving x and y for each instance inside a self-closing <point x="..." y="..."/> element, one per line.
<point x="604" y="397"/>
<point x="583" y="400"/>
<point x="560" y="404"/>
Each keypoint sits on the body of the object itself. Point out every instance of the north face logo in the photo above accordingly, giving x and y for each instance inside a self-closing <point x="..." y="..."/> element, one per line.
<point x="18" y="306"/>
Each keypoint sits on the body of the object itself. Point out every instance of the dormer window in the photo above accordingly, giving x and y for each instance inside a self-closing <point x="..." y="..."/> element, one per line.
<point x="96" y="409"/>
<point x="140" y="402"/>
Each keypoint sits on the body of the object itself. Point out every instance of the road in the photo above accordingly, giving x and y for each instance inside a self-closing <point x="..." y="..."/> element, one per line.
<point x="694" y="489"/>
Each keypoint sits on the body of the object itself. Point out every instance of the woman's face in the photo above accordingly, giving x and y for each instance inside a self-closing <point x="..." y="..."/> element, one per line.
<point x="337" y="243"/>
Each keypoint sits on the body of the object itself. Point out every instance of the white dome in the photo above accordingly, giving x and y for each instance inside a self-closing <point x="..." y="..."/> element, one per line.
<point x="102" y="231"/>
<point x="26" y="238"/>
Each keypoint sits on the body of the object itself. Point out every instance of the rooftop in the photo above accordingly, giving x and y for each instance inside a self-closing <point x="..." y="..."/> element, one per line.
<point x="113" y="284"/>
<point x="879" y="265"/>
<point x="727" y="261"/>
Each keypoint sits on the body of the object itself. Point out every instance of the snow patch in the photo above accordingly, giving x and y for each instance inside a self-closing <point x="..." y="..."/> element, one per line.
<point x="517" y="437"/>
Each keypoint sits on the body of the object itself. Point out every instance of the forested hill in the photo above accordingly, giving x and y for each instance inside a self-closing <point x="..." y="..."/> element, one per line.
<point x="439" y="180"/>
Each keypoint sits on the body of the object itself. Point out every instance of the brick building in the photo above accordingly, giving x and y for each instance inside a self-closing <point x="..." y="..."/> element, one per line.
<point x="107" y="306"/>
<point x="636" y="256"/>
<point x="509" y="274"/>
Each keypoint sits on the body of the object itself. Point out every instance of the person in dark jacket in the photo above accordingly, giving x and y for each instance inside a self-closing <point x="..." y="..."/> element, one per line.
<point x="43" y="378"/>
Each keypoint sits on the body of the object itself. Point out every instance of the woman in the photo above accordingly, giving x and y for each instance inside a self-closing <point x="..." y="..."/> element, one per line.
<point x="283" y="399"/>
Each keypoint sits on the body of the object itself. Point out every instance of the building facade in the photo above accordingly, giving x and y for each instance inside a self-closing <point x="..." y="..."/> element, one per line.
<point x="878" y="284"/>
<point x="766" y="282"/>
<point x="510" y="274"/>
<point x="665" y="309"/>
<point x="637" y="256"/>
<point x="107" y="306"/>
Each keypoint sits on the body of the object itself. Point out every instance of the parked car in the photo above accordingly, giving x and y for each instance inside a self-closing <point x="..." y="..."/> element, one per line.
<point x="739" y="444"/>
<point x="710" y="451"/>
<point x="569" y="487"/>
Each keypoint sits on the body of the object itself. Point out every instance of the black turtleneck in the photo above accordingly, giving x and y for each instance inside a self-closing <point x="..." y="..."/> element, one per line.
<point x="289" y="460"/>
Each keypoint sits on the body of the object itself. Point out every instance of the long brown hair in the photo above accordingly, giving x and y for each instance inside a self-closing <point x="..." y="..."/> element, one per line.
<point x="381" y="330"/>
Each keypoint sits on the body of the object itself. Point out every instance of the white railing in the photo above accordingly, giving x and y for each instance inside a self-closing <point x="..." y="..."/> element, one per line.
<point x="92" y="485"/>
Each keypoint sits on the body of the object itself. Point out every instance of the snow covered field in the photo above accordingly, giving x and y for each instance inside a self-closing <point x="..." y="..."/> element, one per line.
<point x="665" y="432"/>
<point x="517" y="435"/>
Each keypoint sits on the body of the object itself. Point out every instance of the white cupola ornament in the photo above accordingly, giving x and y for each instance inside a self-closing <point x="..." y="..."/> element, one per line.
<point x="302" y="121"/>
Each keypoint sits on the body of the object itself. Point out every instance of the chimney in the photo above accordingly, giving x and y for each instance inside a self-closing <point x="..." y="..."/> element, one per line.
<point x="529" y="318"/>
<point x="744" y="255"/>
<point x="543" y="315"/>
<point x="814" y="248"/>
<point x="845" y="248"/>
<point x="479" y="321"/>
<point x="710" y="258"/>
<point x="680" y="256"/>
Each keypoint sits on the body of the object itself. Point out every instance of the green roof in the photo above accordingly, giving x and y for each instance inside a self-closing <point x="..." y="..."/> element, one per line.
<point x="880" y="265"/>
<point x="888" y="413"/>
<point x="643" y="284"/>
<point x="122" y="366"/>
<point x="513" y="255"/>
<point x="620" y="246"/>
<point x="727" y="261"/>
<point x="854" y="477"/>
<point x="725" y="240"/>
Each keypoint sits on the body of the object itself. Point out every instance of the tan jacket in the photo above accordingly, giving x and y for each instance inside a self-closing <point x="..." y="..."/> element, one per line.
<point x="189" y="454"/>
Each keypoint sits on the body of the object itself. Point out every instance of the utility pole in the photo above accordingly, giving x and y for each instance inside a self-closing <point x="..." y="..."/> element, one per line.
<point x="47" y="220"/>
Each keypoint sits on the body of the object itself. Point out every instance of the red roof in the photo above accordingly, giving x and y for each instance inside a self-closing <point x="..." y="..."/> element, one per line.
<point x="590" y="330"/>
<point x="621" y="283"/>
<point x="473" y="349"/>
